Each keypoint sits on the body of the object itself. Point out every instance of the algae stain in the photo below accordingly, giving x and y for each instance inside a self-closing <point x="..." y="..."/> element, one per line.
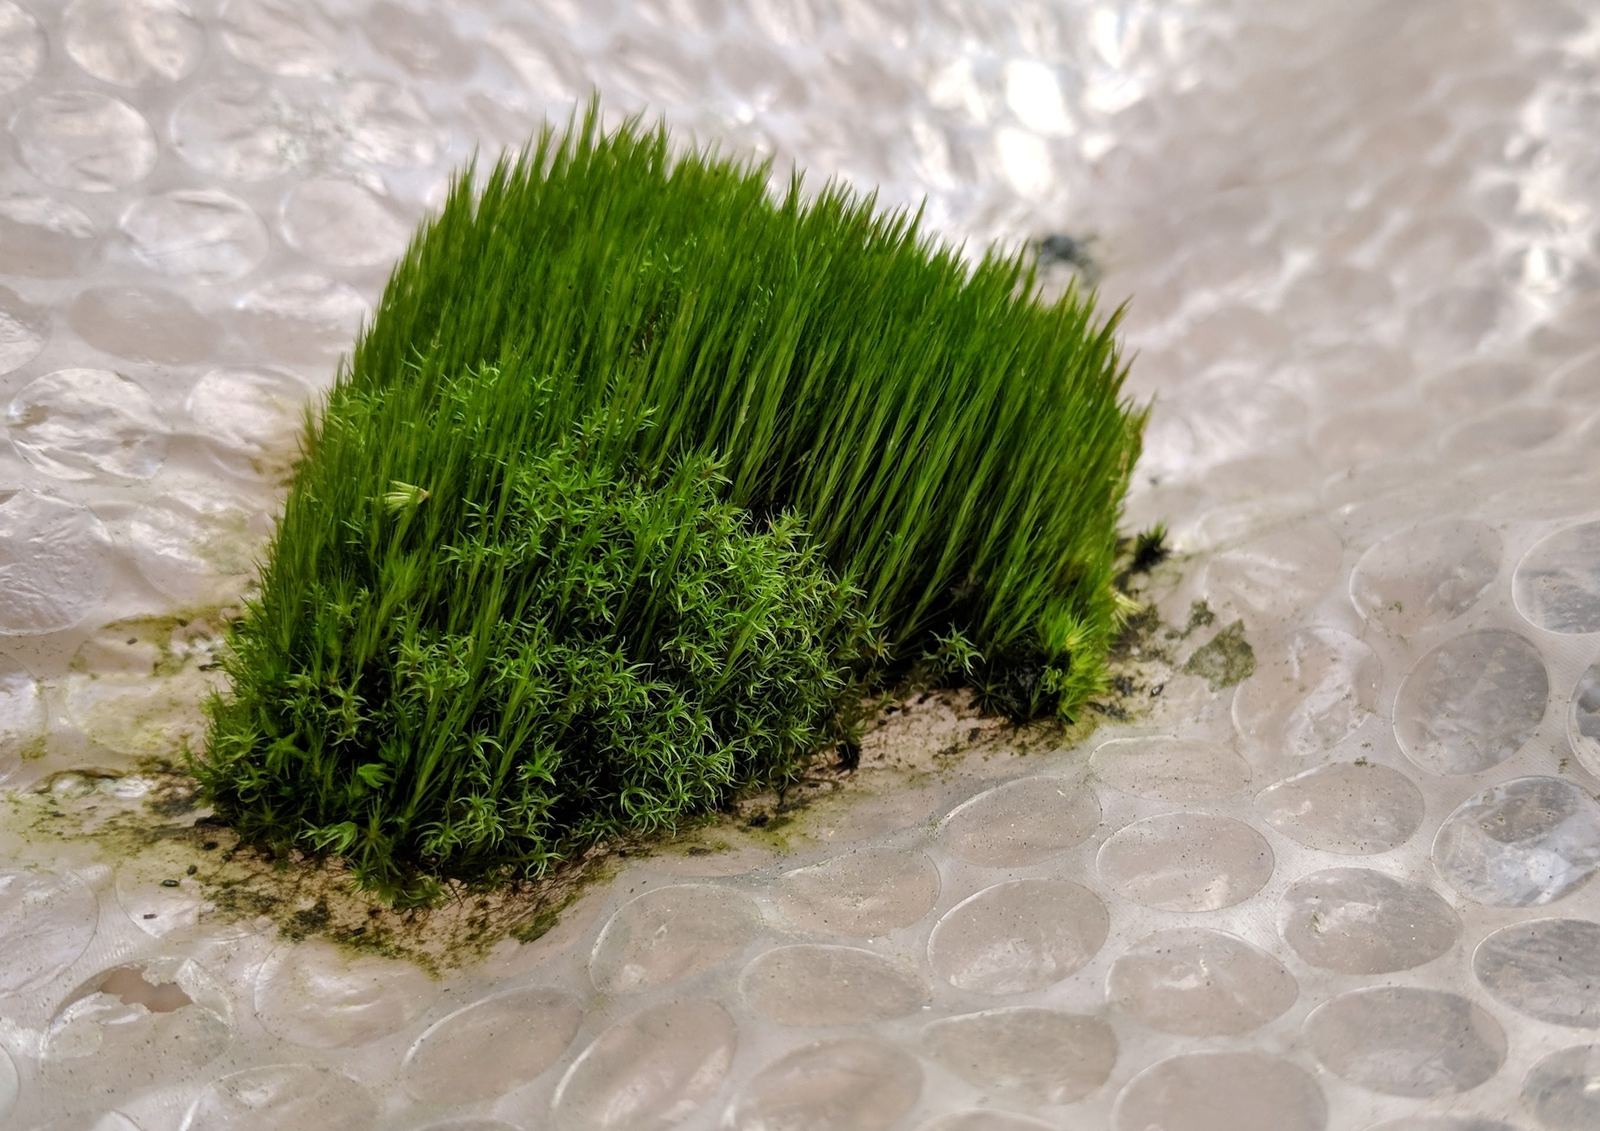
<point x="1225" y="660"/>
<point x="1201" y="615"/>
<point x="544" y="920"/>
<point x="537" y="927"/>
<point x="308" y="921"/>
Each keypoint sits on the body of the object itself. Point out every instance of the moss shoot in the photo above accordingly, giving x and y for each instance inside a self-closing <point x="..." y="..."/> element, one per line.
<point x="639" y="477"/>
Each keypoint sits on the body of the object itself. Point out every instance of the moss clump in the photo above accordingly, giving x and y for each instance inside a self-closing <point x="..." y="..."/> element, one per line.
<point x="591" y="529"/>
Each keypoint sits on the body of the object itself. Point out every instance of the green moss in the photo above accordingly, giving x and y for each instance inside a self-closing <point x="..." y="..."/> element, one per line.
<point x="592" y="528"/>
<point x="609" y="656"/>
<point x="1225" y="659"/>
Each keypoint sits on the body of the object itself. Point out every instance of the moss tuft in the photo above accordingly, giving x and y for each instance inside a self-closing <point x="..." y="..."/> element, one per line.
<point x="639" y="475"/>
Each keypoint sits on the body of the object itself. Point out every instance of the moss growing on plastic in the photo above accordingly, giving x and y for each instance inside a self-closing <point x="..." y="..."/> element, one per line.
<point x="637" y="477"/>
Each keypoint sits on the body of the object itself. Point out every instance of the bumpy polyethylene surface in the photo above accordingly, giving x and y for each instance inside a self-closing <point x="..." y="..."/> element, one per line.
<point x="1356" y="891"/>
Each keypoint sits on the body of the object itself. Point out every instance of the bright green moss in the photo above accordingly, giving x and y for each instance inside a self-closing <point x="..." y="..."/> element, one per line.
<point x="593" y="525"/>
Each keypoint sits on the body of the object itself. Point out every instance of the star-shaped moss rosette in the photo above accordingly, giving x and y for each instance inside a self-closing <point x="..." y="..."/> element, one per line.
<point x="640" y="476"/>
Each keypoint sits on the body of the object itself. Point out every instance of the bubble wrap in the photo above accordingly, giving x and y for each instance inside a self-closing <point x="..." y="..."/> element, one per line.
<point x="1356" y="891"/>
